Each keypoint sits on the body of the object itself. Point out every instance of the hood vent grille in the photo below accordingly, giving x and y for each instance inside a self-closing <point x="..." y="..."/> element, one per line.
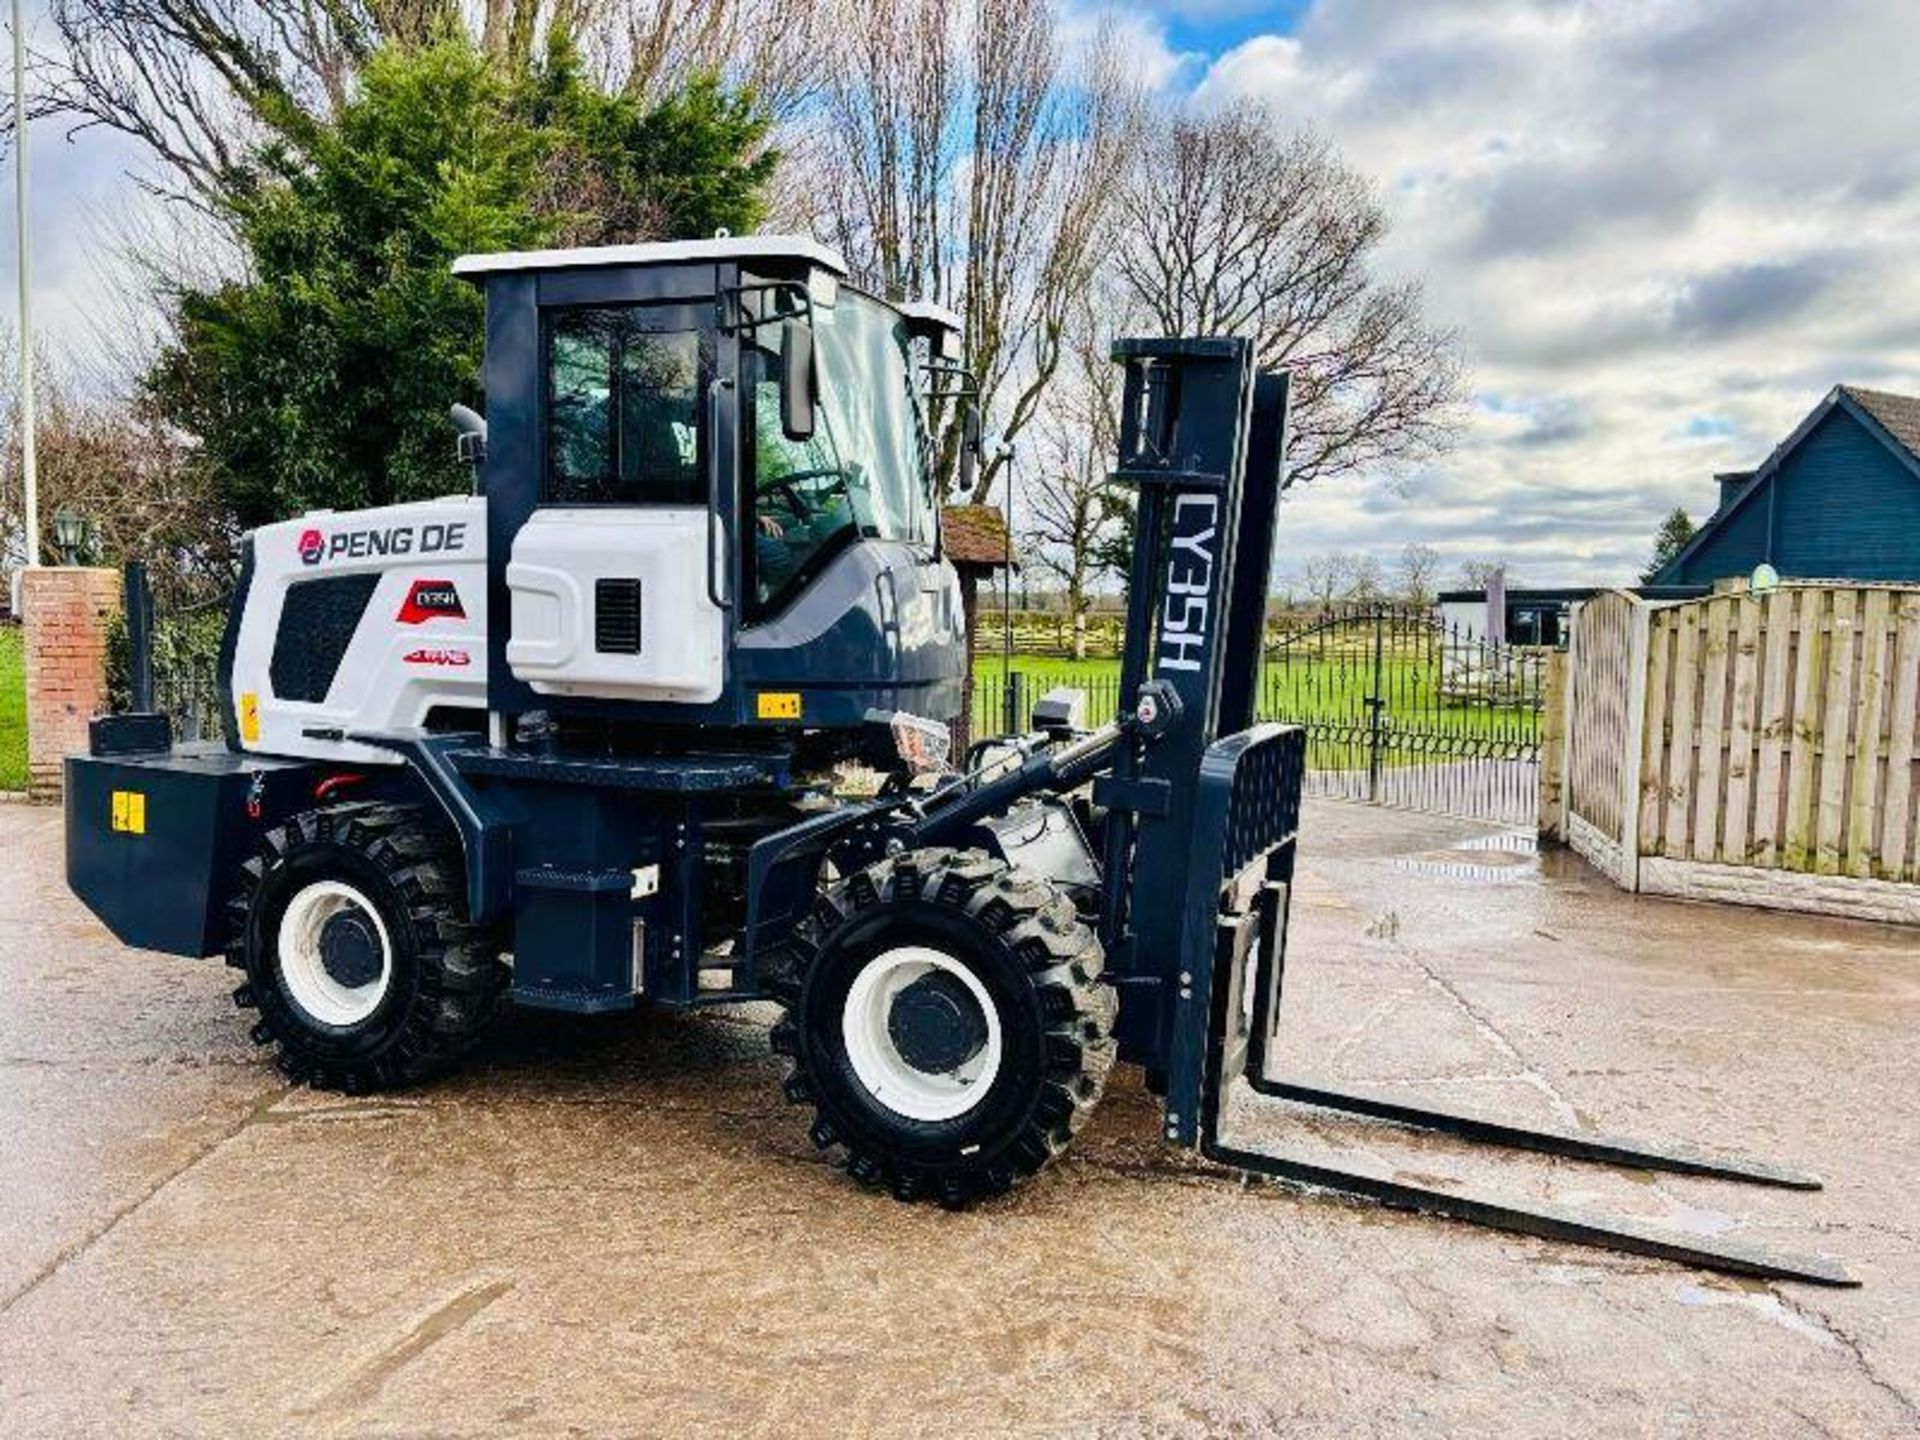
<point x="616" y="616"/>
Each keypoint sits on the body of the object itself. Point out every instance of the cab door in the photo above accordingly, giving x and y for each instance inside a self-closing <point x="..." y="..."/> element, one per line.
<point x="613" y="578"/>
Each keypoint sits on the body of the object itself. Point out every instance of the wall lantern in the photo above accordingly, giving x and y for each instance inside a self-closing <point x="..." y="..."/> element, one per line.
<point x="70" y="529"/>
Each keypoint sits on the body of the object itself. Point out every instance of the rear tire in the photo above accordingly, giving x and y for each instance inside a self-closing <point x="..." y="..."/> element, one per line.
<point x="947" y="1022"/>
<point x="350" y="924"/>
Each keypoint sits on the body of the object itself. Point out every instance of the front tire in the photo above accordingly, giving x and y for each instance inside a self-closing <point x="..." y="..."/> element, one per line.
<point x="350" y="924"/>
<point x="947" y="1021"/>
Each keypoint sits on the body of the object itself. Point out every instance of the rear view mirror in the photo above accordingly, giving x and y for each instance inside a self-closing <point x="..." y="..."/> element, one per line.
<point x="470" y="444"/>
<point x="969" y="446"/>
<point x="796" y="380"/>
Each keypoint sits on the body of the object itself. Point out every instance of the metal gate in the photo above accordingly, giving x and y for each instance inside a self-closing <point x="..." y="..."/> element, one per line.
<point x="184" y="639"/>
<point x="1405" y="710"/>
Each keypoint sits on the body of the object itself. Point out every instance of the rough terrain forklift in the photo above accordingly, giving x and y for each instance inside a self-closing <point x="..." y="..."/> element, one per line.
<point x="572" y="740"/>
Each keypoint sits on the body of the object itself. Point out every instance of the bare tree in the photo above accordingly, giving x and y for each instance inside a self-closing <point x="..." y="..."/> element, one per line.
<point x="1327" y="577"/>
<point x="192" y="79"/>
<point x="1366" y="578"/>
<point x="1419" y="571"/>
<point x="775" y="48"/>
<point x="1070" y="499"/>
<point x="195" y="81"/>
<point x="137" y="485"/>
<point x="1478" y="574"/>
<point x="975" y="165"/>
<point x="1229" y="228"/>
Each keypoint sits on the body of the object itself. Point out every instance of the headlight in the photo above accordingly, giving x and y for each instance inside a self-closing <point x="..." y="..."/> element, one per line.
<point x="899" y="741"/>
<point x="924" y="746"/>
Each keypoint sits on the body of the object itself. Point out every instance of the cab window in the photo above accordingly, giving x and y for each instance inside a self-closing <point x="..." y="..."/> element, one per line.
<point x="623" y="412"/>
<point x="862" y="474"/>
<point x="800" y="503"/>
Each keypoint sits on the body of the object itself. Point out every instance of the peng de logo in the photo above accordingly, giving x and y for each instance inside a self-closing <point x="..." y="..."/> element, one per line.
<point x="437" y="538"/>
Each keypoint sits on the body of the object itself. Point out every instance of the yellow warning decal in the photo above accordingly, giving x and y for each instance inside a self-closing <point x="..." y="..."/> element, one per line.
<point x="779" y="705"/>
<point x="249" y="716"/>
<point x="130" y="812"/>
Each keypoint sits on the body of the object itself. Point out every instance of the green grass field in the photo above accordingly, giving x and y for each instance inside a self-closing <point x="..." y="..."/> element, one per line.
<point x="13" y="710"/>
<point x="1325" y="690"/>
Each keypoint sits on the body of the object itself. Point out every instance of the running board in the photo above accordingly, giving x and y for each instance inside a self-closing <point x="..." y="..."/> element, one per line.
<point x="1547" y="1222"/>
<point x="1678" y="1159"/>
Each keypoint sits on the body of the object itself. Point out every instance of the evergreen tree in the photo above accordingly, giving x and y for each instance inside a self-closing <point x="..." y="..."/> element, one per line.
<point x="322" y="379"/>
<point x="1672" y="537"/>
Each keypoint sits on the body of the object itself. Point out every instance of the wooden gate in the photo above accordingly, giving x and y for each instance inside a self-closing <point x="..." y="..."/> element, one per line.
<point x="1757" y="748"/>
<point x="1780" y="733"/>
<point x="1605" y="677"/>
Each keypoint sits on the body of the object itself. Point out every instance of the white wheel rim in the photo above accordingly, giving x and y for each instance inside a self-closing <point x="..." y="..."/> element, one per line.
<point x="303" y="967"/>
<point x="887" y="1074"/>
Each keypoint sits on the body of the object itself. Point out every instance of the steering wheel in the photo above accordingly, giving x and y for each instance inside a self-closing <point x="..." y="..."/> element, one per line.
<point x="787" y="487"/>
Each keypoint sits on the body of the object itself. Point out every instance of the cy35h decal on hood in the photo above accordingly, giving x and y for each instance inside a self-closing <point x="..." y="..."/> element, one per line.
<point x="431" y="600"/>
<point x="436" y="538"/>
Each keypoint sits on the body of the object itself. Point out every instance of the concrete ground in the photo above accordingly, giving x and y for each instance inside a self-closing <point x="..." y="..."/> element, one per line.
<point x="618" y="1228"/>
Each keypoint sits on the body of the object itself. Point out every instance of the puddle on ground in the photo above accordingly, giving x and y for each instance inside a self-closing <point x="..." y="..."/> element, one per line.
<point x="1508" y="856"/>
<point x="1766" y="1306"/>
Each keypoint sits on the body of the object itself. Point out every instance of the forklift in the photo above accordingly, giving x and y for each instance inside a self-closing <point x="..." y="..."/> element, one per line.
<point x="580" y="739"/>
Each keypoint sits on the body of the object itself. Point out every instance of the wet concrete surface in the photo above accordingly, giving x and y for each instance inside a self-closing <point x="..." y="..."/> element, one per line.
<point x="618" y="1228"/>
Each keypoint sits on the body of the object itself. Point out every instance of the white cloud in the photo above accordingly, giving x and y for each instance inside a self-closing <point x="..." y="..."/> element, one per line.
<point x="1664" y="228"/>
<point x="1141" y="39"/>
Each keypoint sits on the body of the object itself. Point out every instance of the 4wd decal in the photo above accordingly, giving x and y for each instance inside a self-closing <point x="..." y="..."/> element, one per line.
<point x="429" y="655"/>
<point x="433" y="539"/>
<point x="431" y="600"/>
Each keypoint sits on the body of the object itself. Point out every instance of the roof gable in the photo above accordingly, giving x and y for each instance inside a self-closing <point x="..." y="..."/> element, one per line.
<point x="974" y="535"/>
<point x="1893" y="420"/>
<point x="1898" y="416"/>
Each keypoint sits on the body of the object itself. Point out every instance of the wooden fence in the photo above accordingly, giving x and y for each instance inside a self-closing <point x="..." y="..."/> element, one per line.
<point x="1752" y="747"/>
<point x="1600" y="730"/>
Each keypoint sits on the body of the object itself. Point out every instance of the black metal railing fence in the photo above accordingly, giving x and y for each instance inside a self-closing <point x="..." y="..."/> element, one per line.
<point x="1400" y="708"/>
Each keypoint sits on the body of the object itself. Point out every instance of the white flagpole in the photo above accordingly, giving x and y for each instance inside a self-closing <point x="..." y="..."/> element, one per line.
<point x="28" y="477"/>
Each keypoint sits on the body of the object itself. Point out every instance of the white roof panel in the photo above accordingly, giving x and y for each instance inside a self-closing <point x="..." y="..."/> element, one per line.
<point x="666" y="252"/>
<point x="925" y="312"/>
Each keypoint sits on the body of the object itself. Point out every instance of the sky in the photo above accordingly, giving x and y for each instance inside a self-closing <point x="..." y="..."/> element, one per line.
<point x="1663" y="229"/>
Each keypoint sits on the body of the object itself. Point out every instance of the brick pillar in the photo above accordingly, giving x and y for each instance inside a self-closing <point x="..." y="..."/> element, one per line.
<point x="65" y="612"/>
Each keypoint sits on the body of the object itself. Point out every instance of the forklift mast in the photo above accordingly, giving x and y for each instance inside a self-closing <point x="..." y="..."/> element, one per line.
<point x="1204" y="823"/>
<point x="1200" y="442"/>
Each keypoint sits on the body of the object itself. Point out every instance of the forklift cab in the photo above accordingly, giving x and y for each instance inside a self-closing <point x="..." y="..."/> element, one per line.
<point x="709" y="490"/>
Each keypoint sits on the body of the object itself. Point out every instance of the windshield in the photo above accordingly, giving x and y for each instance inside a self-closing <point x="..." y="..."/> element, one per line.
<point x="864" y="470"/>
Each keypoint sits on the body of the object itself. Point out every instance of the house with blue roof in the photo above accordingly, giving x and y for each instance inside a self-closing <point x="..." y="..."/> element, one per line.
<point x="1838" y="499"/>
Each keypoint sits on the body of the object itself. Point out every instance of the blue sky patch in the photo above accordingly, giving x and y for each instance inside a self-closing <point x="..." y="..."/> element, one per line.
<point x="1214" y="27"/>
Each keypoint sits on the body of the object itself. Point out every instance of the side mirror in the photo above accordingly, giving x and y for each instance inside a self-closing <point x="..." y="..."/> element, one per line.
<point x="470" y="442"/>
<point x="969" y="447"/>
<point x="796" y="380"/>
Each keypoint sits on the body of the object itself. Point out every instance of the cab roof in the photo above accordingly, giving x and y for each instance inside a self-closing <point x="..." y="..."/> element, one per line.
<point x="735" y="248"/>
